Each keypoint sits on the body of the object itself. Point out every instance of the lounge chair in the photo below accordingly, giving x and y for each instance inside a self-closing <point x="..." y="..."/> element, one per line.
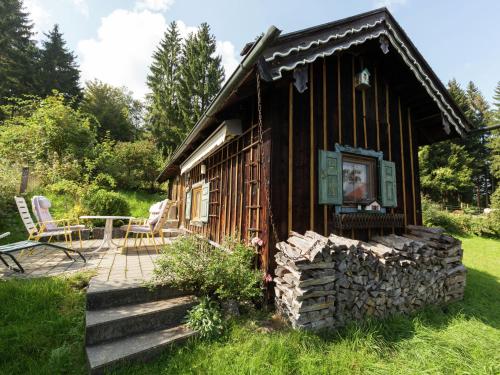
<point x="35" y="232"/>
<point x="7" y="250"/>
<point x="40" y="206"/>
<point x="151" y="226"/>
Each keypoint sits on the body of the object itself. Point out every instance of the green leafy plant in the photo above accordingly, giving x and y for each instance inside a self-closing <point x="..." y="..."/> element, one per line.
<point x="206" y="319"/>
<point x="98" y="201"/>
<point x="193" y="264"/>
<point x="461" y="223"/>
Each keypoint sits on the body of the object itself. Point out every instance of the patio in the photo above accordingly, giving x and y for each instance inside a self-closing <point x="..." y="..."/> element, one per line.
<point x="114" y="266"/>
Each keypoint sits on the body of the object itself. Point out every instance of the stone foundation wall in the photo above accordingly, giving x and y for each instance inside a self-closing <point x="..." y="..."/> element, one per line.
<point x="327" y="282"/>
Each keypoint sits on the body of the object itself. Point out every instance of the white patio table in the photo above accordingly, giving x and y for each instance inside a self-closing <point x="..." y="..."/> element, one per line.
<point x="107" y="238"/>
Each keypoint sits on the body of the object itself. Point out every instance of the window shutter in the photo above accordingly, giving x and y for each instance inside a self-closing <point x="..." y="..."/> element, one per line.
<point x="205" y="194"/>
<point x="330" y="177"/>
<point x="387" y="173"/>
<point x="188" y="205"/>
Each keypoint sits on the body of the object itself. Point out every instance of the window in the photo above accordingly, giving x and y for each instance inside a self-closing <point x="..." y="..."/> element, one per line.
<point x="196" y="203"/>
<point x="358" y="179"/>
<point x="348" y="177"/>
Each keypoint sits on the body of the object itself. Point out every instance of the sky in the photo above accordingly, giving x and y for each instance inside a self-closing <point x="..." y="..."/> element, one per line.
<point x="115" y="39"/>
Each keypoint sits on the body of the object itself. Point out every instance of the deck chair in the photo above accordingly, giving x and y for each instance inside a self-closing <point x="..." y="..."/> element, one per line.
<point x="38" y="232"/>
<point x="151" y="226"/>
<point x="40" y="206"/>
<point x="7" y="250"/>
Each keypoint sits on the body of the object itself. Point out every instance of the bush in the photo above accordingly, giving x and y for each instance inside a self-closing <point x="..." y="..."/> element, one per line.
<point x="51" y="127"/>
<point x="433" y="216"/>
<point x="192" y="264"/>
<point x="98" y="201"/>
<point x="460" y="223"/>
<point x="206" y="319"/>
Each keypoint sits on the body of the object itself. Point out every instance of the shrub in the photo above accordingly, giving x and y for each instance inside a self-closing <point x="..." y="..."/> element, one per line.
<point x="433" y="216"/>
<point x="461" y="223"/>
<point x="50" y="127"/>
<point x="206" y="319"/>
<point x="97" y="201"/>
<point x="105" y="181"/>
<point x="192" y="264"/>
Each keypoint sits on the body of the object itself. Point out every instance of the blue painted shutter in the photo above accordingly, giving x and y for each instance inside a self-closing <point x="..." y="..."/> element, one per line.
<point x="205" y="195"/>
<point x="188" y="205"/>
<point x="330" y="177"/>
<point x="388" y="194"/>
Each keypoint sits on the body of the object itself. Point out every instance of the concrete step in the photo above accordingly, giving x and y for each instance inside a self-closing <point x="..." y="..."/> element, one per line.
<point x="106" y="294"/>
<point x="141" y="347"/>
<point x="115" y="322"/>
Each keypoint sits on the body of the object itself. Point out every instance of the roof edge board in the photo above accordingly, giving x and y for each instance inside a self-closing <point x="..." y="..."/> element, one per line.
<point x="402" y="49"/>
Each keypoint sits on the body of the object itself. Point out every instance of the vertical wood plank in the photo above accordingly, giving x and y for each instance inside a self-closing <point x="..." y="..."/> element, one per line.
<point x="290" y="157"/>
<point x="339" y="99"/>
<point x="388" y="120"/>
<point x="377" y="120"/>
<point x="403" y="179"/>
<point x="354" y="119"/>
<point x="311" y="149"/>
<point x="325" y="142"/>
<point x="412" y="168"/>
<point x="363" y="97"/>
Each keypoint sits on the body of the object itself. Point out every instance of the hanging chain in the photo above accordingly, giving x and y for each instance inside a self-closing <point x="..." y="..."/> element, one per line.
<point x="261" y="142"/>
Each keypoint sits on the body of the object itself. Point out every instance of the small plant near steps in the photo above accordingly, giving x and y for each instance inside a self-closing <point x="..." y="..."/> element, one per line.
<point x="133" y="323"/>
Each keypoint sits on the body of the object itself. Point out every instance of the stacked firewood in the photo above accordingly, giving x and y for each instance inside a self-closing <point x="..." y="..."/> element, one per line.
<point x="326" y="282"/>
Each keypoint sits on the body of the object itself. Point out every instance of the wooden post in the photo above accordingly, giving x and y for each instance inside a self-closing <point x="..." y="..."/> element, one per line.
<point x="24" y="180"/>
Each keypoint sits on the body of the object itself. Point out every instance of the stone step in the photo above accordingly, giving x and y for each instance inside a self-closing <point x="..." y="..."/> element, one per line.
<point x="141" y="347"/>
<point x="115" y="322"/>
<point x="106" y="294"/>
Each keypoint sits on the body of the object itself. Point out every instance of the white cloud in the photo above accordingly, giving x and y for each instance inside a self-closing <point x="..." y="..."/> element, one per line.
<point x="185" y="30"/>
<point x="389" y="3"/>
<point x="82" y="6"/>
<point x="39" y="15"/>
<point x="121" y="53"/>
<point x="154" y="5"/>
<point x="227" y="52"/>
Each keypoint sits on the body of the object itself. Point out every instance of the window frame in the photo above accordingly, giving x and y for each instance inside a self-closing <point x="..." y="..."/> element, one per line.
<point x="196" y="192"/>
<point x="371" y="164"/>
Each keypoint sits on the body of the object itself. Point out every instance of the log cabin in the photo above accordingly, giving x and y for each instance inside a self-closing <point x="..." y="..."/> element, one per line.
<point x="317" y="129"/>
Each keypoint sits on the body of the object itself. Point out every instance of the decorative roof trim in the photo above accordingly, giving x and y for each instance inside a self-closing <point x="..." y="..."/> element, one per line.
<point x="402" y="49"/>
<point x="427" y="78"/>
<point x="323" y="41"/>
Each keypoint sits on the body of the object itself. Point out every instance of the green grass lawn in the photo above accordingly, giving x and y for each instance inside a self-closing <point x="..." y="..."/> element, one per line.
<point x="41" y="331"/>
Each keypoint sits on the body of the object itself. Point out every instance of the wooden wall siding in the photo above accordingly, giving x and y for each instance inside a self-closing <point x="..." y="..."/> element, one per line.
<point x="376" y="119"/>
<point x="233" y="173"/>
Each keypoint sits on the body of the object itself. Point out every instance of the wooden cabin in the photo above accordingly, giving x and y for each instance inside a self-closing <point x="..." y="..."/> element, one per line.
<point x="316" y="129"/>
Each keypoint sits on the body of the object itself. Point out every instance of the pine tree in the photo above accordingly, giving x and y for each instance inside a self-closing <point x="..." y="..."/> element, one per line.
<point x="201" y="75"/>
<point x="58" y="68"/>
<point x="472" y="152"/>
<point x="496" y="104"/>
<point x="18" y="51"/>
<point x="163" y="117"/>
